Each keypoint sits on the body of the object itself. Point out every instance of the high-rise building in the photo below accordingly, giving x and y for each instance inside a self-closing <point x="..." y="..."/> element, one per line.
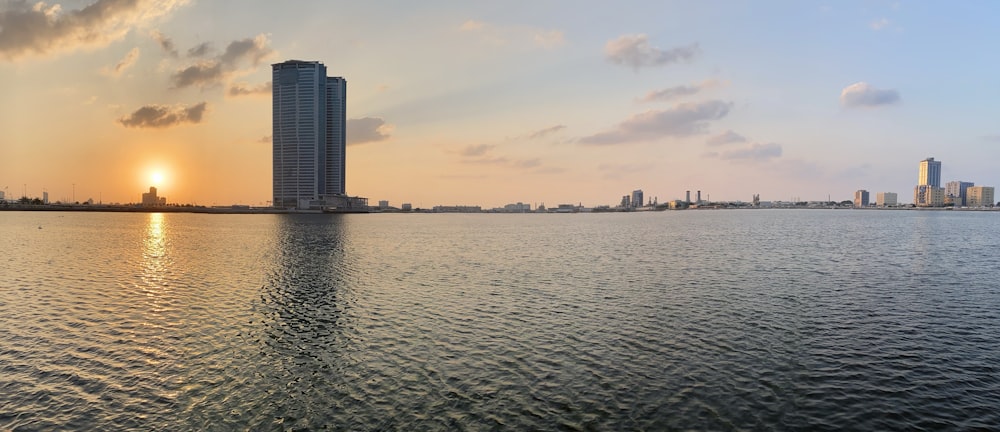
<point x="928" y="192"/>
<point x="637" y="198"/>
<point x="955" y="191"/>
<point x="309" y="135"/>
<point x="930" y="173"/>
<point x="861" y="198"/>
<point x="980" y="196"/>
<point x="886" y="199"/>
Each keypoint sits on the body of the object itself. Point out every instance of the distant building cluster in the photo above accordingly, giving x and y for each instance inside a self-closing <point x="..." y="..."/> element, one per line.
<point x="929" y="193"/>
<point x="150" y="199"/>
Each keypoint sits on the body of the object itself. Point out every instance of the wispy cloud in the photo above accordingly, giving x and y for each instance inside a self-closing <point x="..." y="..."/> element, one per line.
<point x="861" y="94"/>
<point x="264" y="139"/>
<point x="505" y="35"/>
<point x="209" y="72"/>
<point x="163" y="116"/>
<point x="991" y="138"/>
<point x="368" y="129"/>
<point x="681" y="120"/>
<point x="727" y="137"/>
<point x="244" y="89"/>
<point x="476" y="150"/>
<point x="482" y="154"/>
<point x="472" y="25"/>
<point x="620" y="170"/>
<point x="675" y="92"/>
<point x="636" y="51"/>
<point x="165" y="43"/>
<point x="123" y="64"/>
<point x="200" y="50"/>
<point x="549" y="38"/>
<point x="39" y="28"/>
<point x="541" y="133"/>
<point x="879" y="24"/>
<point x="753" y="152"/>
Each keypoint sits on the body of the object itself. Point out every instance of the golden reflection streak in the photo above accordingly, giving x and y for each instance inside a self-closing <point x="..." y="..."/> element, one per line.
<point x="154" y="256"/>
<point x="155" y="264"/>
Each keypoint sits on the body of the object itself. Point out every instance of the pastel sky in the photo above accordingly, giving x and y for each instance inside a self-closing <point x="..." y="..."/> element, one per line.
<point x="489" y="103"/>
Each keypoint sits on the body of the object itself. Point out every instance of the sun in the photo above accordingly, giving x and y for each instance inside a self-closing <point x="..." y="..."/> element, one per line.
<point x="157" y="178"/>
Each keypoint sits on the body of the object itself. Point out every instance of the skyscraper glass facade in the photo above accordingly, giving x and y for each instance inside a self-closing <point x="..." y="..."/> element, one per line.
<point x="309" y="119"/>
<point x="930" y="173"/>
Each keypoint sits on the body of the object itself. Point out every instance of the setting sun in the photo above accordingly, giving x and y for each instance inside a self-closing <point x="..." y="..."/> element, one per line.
<point x="157" y="178"/>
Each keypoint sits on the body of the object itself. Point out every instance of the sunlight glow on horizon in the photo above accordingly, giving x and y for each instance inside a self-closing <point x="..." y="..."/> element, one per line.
<point x="156" y="178"/>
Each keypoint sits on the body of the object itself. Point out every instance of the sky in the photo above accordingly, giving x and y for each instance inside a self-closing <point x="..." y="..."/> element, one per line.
<point x="490" y="103"/>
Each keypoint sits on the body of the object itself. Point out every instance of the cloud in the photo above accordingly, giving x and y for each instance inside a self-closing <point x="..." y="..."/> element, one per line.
<point x="123" y="64"/>
<point x="618" y="171"/>
<point x="472" y="25"/>
<point x="879" y="24"/>
<point x="255" y="50"/>
<point x="528" y="163"/>
<point x="683" y="119"/>
<point x="264" y="139"/>
<point x="39" y="28"/>
<point x="549" y="38"/>
<point x="368" y="129"/>
<point x="678" y="91"/>
<point x="162" y="116"/>
<point x="166" y="43"/>
<point x="727" y="137"/>
<point x="209" y="72"/>
<point x="243" y="89"/>
<point x="546" y="131"/>
<point x="502" y="35"/>
<point x="204" y="74"/>
<point x="635" y="51"/>
<point x="476" y="150"/>
<point x="861" y="94"/>
<point x="991" y="138"/>
<point x="199" y="50"/>
<point x="753" y="152"/>
<point x="481" y="155"/>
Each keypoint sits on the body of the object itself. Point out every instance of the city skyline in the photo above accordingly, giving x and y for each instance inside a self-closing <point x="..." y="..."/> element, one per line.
<point x="456" y="103"/>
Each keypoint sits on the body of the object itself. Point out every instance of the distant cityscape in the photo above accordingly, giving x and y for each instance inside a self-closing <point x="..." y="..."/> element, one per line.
<point x="309" y="121"/>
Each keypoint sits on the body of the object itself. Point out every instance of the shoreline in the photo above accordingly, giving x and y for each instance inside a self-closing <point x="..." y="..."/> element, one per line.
<point x="270" y="210"/>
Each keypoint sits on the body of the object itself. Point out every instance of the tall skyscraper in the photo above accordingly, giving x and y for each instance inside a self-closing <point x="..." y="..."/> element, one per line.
<point x="930" y="173"/>
<point x="309" y="115"/>
<point x="928" y="192"/>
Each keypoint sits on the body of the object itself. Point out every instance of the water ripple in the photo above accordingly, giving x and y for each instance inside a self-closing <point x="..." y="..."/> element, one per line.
<point x="798" y="320"/>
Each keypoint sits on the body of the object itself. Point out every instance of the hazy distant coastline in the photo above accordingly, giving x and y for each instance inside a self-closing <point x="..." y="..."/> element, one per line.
<point x="237" y="209"/>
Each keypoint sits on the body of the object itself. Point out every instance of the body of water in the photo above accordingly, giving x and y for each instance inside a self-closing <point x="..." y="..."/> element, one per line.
<point x="718" y="320"/>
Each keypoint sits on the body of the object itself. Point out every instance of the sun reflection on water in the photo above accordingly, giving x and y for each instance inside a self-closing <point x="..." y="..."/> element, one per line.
<point x="155" y="260"/>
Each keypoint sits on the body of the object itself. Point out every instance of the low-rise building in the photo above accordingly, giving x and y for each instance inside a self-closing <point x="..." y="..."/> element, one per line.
<point x="886" y="199"/>
<point x="150" y="199"/>
<point x="980" y="196"/>
<point x="928" y="196"/>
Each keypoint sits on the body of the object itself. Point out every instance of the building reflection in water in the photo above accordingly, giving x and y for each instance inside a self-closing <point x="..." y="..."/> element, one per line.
<point x="306" y="310"/>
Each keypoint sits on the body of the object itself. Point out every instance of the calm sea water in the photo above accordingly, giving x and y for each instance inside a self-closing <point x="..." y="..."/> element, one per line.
<point x="720" y="320"/>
